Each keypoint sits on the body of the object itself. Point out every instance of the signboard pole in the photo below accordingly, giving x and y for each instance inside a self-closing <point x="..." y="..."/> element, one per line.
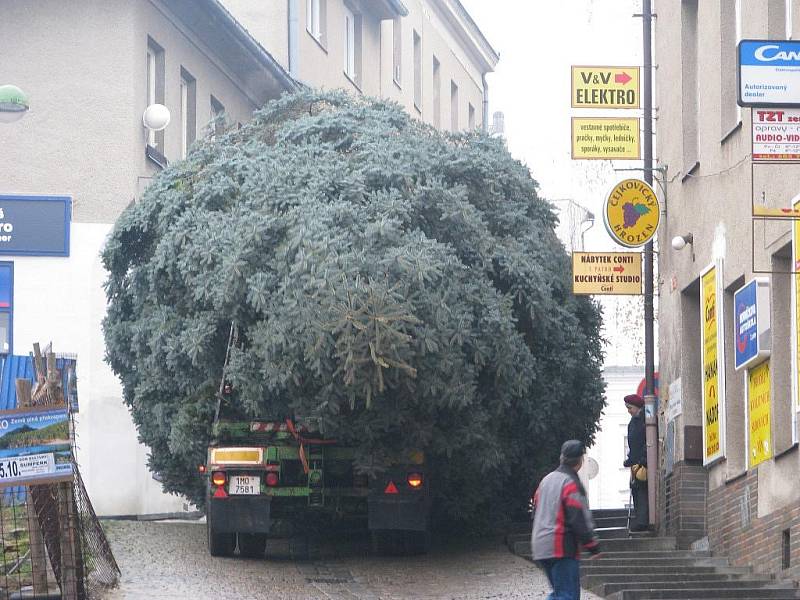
<point x="651" y="422"/>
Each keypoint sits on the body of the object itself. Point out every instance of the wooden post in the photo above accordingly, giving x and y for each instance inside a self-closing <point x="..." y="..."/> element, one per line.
<point x="69" y="547"/>
<point x="38" y="364"/>
<point x="38" y="553"/>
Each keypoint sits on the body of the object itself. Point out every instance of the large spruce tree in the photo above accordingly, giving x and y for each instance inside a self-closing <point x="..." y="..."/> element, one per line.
<point x="402" y="285"/>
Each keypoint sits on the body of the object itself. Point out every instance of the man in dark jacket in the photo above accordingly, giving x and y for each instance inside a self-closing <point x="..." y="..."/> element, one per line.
<point x="637" y="457"/>
<point x="562" y="524"/>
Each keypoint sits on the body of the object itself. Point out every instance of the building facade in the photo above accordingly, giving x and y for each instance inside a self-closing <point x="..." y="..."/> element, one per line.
<point x="90" y="68"/>
<point x="729" y="450"/>
<point x="427" y="55"/>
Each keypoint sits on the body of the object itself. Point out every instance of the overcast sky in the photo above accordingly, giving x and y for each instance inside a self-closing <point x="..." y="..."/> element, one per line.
<point x="538" y="42"/>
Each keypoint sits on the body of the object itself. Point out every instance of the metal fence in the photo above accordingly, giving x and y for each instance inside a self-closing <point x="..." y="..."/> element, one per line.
<point x="53" y="545"/>
<point x="51" y="541"/>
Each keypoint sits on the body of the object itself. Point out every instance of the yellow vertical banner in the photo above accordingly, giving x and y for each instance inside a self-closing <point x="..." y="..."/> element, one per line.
<point x="759" y="428"/>
<point x="711" y="359"/>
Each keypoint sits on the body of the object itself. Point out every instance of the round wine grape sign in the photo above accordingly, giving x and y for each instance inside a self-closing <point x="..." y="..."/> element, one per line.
<point x="631" y="213"/>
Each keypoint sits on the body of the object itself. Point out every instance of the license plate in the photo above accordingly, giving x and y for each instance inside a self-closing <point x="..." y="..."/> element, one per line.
<point x="241" y="485"/>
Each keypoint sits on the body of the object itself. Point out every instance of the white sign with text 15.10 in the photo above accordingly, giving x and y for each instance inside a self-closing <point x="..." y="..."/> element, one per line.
<point x="26" y="466"/>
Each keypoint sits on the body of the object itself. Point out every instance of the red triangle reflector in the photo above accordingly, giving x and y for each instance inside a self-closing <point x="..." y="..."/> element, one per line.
<point x="220" y="493"/>
<point x="391" y="488"/>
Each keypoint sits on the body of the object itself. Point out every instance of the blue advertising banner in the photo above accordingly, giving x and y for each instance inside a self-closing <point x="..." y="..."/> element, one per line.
<point x="745" y="302"/>
<point x="768" y="73"/>
<point x="35" y="225"/>
<point x="35" y="446"/>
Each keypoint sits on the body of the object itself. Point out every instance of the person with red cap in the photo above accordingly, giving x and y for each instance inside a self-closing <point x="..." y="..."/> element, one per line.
<point x="637" y="459"/>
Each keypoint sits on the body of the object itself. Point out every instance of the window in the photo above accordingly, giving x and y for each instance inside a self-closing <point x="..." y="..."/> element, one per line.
<point x="689" y="56"/>
<point x="730" y="35"/>
<point x="453" y="106"/>
<point x="417" y="71"/>
<point x="437" y="101"/>
<point x="155" y="88"/>
<point x="397" y="49"/>
<point x="188" y="111"/>
<point x="352" y="45"/>
<point x="217" y="124"/>
<point x="471" y="117"/>
<point x="349" y="43"/>
<point x="776" y="19"/>
<point x="6" y="306"/>
<point x="316" y="17"/>
<point x="789" y="19"/>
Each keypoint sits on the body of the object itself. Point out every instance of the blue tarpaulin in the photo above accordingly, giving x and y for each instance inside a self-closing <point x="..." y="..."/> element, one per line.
<point x="13" y="367"/>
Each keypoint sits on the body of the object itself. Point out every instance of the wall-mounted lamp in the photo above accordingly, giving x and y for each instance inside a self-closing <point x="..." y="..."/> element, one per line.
<point x="156" y="117"/>
<point x="13" y="103"/>
<point x="679" y="241"/>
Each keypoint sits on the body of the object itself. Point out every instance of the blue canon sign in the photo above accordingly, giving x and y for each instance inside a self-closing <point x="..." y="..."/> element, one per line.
<point x="35" y="225"/>
<point x="769" y="73"/>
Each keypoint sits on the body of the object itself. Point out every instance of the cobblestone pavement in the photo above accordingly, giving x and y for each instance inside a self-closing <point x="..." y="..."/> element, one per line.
<point x="169" y="560"/>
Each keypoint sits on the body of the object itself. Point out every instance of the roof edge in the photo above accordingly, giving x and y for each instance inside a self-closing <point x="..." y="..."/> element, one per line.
<point x="251" y="44"/>
<point x="473" y="33"/>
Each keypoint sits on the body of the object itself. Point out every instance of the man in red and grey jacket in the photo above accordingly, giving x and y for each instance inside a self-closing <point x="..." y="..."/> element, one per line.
<point x="562" y="524"/>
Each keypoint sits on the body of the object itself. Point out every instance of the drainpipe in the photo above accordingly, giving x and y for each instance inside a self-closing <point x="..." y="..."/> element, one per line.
<point x="485" y="104"/>
<point x="294" y="37"/>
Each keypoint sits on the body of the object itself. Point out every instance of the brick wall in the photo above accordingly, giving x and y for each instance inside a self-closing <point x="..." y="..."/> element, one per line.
<point x="735" y="531"/>
<point x="683" y="502"/>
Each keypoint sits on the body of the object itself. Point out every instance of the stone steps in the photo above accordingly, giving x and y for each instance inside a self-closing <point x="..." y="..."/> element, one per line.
<point x="742" y="593"/>
<point x="641" y="566"/>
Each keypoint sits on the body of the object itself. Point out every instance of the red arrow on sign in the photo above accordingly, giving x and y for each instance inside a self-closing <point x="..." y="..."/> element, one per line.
<point x="622" y="78"/>
<point x="619" y="269"/>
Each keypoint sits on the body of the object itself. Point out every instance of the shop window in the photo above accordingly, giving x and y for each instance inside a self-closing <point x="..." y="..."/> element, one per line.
<point x="734" y="390"/>
<point x="6" y="306"/>
<point x="781" y="355"/>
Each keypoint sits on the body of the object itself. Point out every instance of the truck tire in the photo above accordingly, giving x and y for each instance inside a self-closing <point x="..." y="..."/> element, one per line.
<point x="220" y="544"/>
<point x="385" y="542"/>
<point x="416" y="542"/>
<point x="252" y="545"/>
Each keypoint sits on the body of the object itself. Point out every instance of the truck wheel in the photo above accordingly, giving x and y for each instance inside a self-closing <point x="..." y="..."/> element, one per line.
<point x="252" y="545"/>
<point x="416" y="542"/>
<point x="384" y="542"/>
<point x="221" y="544"/>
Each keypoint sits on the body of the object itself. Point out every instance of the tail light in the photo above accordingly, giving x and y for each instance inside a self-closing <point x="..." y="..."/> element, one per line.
<point x="415" y="480"/>
<point x="218" y="478"/>
<point x="271" y="479"/>
<point x="201" y="468"/>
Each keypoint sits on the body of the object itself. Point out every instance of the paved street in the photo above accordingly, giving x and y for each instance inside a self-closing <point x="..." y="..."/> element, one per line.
<point x="170" y="560"/>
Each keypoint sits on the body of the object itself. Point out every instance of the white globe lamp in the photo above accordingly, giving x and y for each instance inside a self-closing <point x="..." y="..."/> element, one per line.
<point x="156" y="117"/>
<point x="13" y="103"/>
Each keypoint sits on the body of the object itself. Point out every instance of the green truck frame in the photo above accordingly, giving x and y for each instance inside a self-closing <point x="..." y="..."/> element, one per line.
<point x="273" y="478"/>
